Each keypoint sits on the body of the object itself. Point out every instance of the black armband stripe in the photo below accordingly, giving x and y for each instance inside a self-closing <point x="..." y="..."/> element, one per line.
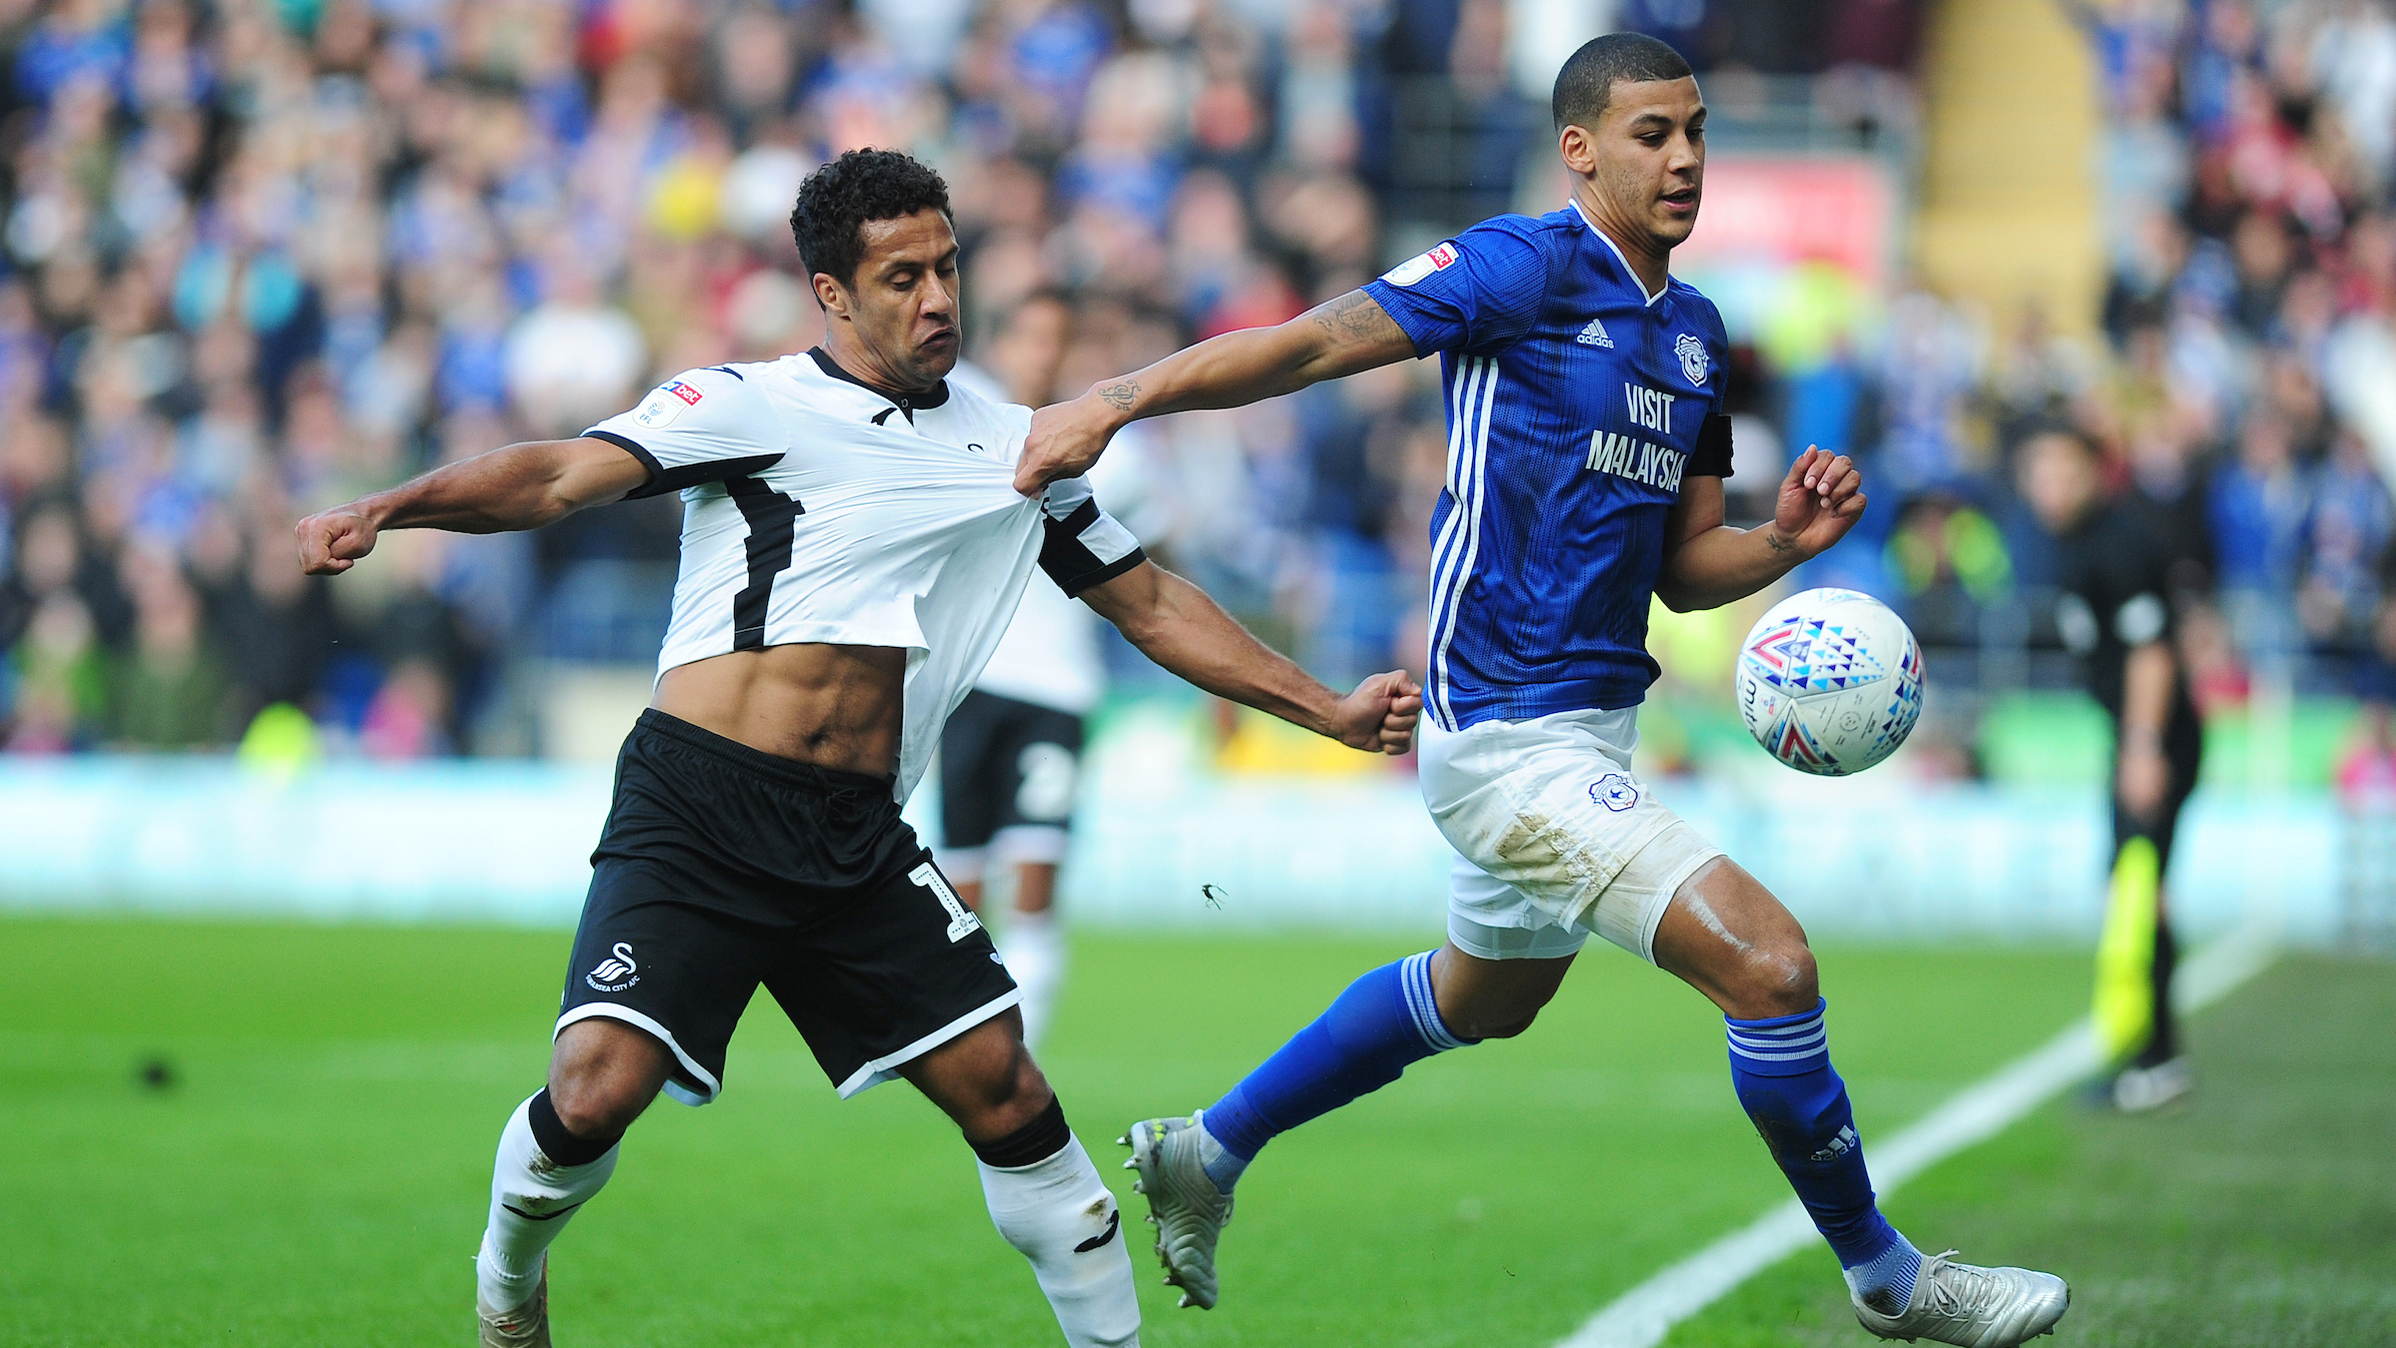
<point x="1711" y="458"/>
<point x="1071" y="562"/>
<point x="1092" y="579"/>
<point x="1082" y="517"/>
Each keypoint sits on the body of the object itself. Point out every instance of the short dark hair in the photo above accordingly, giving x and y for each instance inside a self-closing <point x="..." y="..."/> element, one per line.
<point x="1586" y="82"/>
<point x="2056" y="428"/>
<point x="836" y="200"/>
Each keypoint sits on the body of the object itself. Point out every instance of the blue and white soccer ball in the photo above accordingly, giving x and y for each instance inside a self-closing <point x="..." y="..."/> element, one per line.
<point x="1830" y="682"/>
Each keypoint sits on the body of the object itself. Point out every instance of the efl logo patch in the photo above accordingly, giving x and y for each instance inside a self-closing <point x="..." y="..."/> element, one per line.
<point x="1416" y="268"/>
<point x="615" y="973"/>
<point x="662" y="406"/>
<point x="1614" y="791"/>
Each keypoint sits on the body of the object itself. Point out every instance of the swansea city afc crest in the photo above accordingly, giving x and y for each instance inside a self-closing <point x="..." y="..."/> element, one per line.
<point x="1692" y="354"/>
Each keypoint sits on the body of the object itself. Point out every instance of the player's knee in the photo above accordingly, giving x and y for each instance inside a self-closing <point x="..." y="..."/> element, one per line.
<point x="1011" y="1104"/>
<point x="601" y="1080"/>
<point x="1007" y="1092"/>
<point x="1776" y="979"/>
<point x="594" y="1105"/>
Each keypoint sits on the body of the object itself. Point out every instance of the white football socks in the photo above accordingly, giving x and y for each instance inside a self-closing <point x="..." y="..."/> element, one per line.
<point x="1060" y="1214"/>
<point x="532" y="1199"/>
<point x="1034" y="949"/>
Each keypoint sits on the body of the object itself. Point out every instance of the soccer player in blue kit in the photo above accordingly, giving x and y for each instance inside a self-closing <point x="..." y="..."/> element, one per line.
<point x="1586" y="451"/>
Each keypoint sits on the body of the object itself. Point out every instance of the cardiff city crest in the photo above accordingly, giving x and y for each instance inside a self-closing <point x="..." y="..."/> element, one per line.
<point x="1693" y="357"/>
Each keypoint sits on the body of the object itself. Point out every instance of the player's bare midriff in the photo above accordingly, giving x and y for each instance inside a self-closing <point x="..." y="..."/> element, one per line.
<point x="836" y="707"/>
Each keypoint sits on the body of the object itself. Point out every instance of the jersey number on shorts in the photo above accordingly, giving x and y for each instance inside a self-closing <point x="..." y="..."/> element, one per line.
<point x="961" y="921"/>
<point x="773" y="521"/>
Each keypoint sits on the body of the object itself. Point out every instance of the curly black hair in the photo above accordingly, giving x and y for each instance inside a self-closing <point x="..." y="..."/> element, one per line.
<point x="861" y="185"/>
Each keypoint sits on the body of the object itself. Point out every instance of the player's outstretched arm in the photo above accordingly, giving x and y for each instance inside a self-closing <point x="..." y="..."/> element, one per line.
<point x="1175" y="624"/>
<point x="1338" y="337"/>
<point x="520" y="486"/>
<point x="1707" y="563"/>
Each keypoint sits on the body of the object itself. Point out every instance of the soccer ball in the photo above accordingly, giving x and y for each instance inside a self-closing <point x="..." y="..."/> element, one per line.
<point x="1830" y="682"/>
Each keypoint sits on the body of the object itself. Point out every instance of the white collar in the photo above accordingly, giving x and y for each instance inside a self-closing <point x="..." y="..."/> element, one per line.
<point x="1575" y="203"/>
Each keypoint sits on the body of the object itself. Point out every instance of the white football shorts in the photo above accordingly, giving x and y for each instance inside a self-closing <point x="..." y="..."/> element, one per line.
<point x="1554" y="837"/>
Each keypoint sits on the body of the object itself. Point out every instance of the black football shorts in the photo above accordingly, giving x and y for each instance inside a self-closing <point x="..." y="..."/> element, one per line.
<point x="1008" y="766"/>
<point x="723" y="867"/>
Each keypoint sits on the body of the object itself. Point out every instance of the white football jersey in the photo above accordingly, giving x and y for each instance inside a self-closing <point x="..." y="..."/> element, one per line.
<point x="815" y="509"/>
<point x="1049" y="655"/>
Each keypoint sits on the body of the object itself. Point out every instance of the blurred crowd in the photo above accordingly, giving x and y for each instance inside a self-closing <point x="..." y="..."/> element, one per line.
<point x="264" y="255"/>
<point x="258" y="256"/>
<point x="2243" y="387"/>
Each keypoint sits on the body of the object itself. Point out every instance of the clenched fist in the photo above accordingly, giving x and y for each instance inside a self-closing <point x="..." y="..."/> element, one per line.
<point x="332" y="541"/>
<point x="1379" y="717"/>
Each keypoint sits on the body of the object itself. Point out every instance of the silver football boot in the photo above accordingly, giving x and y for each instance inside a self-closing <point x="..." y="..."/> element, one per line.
<point x="1972" y="1307"/>
<point x="1184" y="1205"/>
<point x="527" y="1326"/>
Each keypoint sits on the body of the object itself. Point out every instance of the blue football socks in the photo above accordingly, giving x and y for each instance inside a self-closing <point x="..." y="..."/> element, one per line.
<point x="1384" y="1021"/>
<point x="1781" y="1067"/>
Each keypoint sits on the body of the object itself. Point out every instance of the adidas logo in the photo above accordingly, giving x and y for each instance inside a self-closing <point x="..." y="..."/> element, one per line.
<point x="1839" y="1146"/>
<point x="1595" y="335"/>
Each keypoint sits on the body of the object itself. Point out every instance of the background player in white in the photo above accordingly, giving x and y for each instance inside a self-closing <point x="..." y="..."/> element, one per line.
<point x="1010" y="756"/>
<point x="851" y="549"/>
<point x="1587" y="450"/>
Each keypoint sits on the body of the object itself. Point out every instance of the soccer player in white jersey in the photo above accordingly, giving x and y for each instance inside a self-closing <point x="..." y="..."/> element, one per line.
<point x="1587" y="448"/>
<point x="851" y="547"/>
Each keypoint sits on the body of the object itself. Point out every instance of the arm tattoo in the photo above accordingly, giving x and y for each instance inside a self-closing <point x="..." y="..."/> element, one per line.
<point x="1355" y="316"/>
<point x="1773" y="540"/>
<point x="1121" y="394"/>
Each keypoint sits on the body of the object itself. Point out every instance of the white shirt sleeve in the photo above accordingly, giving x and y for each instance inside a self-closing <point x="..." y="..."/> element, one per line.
<point x="701" y="426"/>
<point x="1083" y="546"/>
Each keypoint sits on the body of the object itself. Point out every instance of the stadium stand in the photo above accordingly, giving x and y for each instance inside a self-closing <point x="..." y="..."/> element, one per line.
<point x="259" y="256"/>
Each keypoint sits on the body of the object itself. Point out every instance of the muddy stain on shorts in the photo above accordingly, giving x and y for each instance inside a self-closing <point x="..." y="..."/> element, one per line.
<point x="1529" y="853"/>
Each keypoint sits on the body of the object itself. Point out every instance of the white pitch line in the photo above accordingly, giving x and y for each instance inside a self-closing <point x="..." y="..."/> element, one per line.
<point x="1641" y="1317"/>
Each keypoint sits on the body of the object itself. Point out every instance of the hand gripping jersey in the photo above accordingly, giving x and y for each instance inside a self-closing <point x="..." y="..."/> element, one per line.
<point x="1050" y="654"/>
<point x="814" y="509"/>
<point x="1577" y="406"/>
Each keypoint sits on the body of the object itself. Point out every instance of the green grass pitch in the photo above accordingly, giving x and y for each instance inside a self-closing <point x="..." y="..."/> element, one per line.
<point x="317" y="1171"/>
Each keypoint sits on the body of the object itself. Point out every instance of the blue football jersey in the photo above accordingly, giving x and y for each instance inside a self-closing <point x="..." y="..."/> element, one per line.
<point x="1577" y="406"/>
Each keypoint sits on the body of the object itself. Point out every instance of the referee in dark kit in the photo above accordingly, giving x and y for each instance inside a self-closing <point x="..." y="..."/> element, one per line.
<point x="2115" y="565"/>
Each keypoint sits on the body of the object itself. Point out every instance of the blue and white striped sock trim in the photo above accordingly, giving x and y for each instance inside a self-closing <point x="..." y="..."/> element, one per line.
<point x="1783" y="1046"/>
<point x="1414" y="975"/>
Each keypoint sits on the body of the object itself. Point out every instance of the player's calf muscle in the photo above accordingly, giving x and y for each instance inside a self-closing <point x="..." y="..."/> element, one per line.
<point x="1493" y="999"/>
